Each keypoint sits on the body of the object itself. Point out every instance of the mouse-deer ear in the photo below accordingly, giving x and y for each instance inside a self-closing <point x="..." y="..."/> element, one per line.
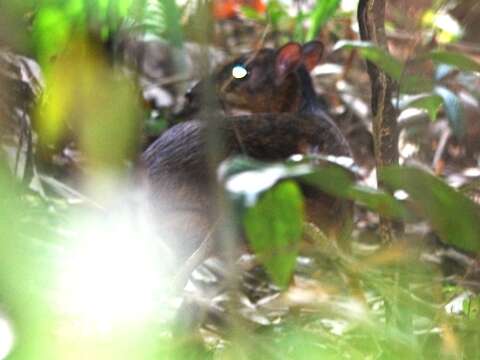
<point x="312" y="53"/>
<point x="287" y="59"/>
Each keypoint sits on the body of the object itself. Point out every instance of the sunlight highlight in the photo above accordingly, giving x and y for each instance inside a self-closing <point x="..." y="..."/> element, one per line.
<point x="7" y="338"/>
<point x="113" y="276"/>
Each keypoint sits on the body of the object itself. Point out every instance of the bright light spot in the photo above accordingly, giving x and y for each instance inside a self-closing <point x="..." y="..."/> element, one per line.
<point x="472" y="172"/>
<point x="239" y="72"/>
<point x="7" y="338"/>
<point x="456" y="305"/>
<point x="409" y="113"/>
<point x="448" y="28"/>
<point x="400" y="195"/>
<point x="344" y="161"/>
<point x="408" y="150"/>
<point x="349" y="5"/>
<point x="113" y="275"/>
<point x="297" y="157"/>
<point x="371" y="179"/>
<point x="447" y="23"/>
<point x="327" y="69"/>
<point x="251" y="182"/>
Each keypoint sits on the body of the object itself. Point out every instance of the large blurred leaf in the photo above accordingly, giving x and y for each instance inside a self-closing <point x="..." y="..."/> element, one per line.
<point x="274" y="228"/>
<point x="453" y="109"/>
<point x="162" y="18"/>
<point x="454" y="216"/>
<point x="276" y="12"/>
<point x="247" y="179"/>
<point x="456" y="59"/>
<point x="393" y="67"/>
<point x="324" y="9"/>
<point x="51" y="32"/>
<point x="413" y="84"/>
<point x="429" y="102"/>
<point x="57" y="21"/>
<point x="337" y="181"/>
<point x="373" y="53"/>
<point x="86" y="99"/>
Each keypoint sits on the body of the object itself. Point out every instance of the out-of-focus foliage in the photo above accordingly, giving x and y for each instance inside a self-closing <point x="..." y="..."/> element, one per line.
<point x="445" y="27"/>
<point x="246" y="180"/>
<point x="162" y="19"/>
<point x="55" y="22"/>
<point x="274" y="228"/>
<point x="454" y="216"/>
<point x="105" y="271"/>
<point x="424" y="93"/>
<point x="324" y="9"/>
<point x="85" y="95"/>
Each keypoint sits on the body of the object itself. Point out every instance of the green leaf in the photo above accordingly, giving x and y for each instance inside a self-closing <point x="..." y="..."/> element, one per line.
<point x="276" y="12"/>
<point x="453" y="109"/>
<point x="390" y="65"/>
<point x="51" y="32"/>
<point x="456" y="59"/>
<point x="251" y="14"/>
<point x="454" y="216"/>
<point x="247" y="179"/>
<point x="173" y="28"/>
<point x="429" y="102"/>
<point x="274" y="228"/>
<point x="413" y="84"/>
<point x="337" y="181"/>
<point x="324" y="9"/>
<point x="373" y="53"/>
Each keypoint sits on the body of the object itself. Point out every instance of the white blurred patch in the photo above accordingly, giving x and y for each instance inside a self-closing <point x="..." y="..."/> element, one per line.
<point x="344" y="161"/>
<point x="251" y="183"/>
<point x="456" y="305"/>
<point x="400" y="195"/>
<point x="472" y="172"/>
<point x="7" y="337"/>
<point x="115" y="273"/>
<point x="349" y="5"/>
<point x="239" y="72"/>
<point x="408" y="150"/>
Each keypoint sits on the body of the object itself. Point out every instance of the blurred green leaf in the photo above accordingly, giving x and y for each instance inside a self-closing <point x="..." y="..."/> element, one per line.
<point x="276" y="12"/>
<point x="373" y="53"/>
<point x="337" y="181"/>
<point x="456" y="59"/>
<point x="56" y="22"/>
<point x="85" y="97"/>
<point x="324" y="10"/>
<point x="389" y="64"/>
<point x="173" y="28"/>
<point x="247" y="179"/>
<point x="378" y="201"/>
<point x="274" y="228"/>
<point x="413" y="84"/>
<point x="453" y="109"/>
<point x="251" y="14"/>
<point x="51" y="32"/>
<point x="454" y="216"/>
<point x="429" y="102"/>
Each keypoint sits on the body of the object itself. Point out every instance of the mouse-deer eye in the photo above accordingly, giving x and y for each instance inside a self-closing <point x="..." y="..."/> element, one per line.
<point x="239" y="72"/>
